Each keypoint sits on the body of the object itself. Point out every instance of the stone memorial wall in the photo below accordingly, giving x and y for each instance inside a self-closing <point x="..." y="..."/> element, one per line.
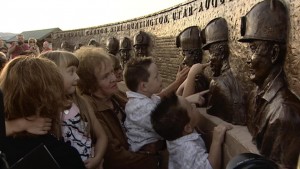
<point x="165" y="25"/>
<point x="163" y="28"/>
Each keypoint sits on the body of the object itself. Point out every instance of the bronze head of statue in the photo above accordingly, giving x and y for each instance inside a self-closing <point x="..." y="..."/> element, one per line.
<point x="215" y="38"/>
<point x="66" y="46"/>
<point x="140" y="44"/>
<point x="125" y="47"/>
<point x="264" y="28"/>
<point x="93" y="42"/>
<point x="112" y="45"/>
<point x="273" y="117"/>
<point x="189" y="40"/>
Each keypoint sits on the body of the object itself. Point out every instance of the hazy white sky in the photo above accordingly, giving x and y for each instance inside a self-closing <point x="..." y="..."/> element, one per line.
<point x="25" y="15"/>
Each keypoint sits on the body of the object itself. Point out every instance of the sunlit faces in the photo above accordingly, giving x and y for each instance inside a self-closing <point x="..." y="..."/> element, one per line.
<point x="192" y="111"/>
<point x="106" y="79"/>
<point x="260" y="63"/>
<point x="154" y="83"/>
<point x="70" y="78"/>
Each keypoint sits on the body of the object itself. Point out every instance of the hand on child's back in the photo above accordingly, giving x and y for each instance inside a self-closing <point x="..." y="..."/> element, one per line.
<point x="38" y="125"/>
<point x="219" y="132"/>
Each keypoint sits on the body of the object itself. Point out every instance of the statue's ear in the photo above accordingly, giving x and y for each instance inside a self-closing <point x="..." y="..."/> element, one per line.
<point x="275" y="53"/>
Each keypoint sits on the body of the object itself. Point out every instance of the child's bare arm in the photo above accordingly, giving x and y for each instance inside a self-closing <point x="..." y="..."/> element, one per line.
<point x="101" y="143"/>
<point x="197" y="98"/>
<point x="180" y="78"/>
<point x="214" y="156"/>
<point x="189" y="87"/>
<point x="179" y="91"/>
<point x="33" y="125"/>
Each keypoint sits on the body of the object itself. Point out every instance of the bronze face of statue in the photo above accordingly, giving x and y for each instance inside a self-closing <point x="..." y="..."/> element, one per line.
<point x="191" y="57"/>
<point x="189" y="40"/>
<point x="112" y="45"/>
<point x="125" y="47"/>
<point x="273" y="116"/>
<point x="140" y="44"/>
<point x="219" y="52"/>
<point x="226" y="98"/>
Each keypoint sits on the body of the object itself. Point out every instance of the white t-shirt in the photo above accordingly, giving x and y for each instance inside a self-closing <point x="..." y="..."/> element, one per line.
<point x="138" y="123"/>
<point x="188" y="152"/>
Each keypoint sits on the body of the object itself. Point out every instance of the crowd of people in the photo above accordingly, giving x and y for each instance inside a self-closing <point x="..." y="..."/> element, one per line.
<point x="67" y="101"/>
<point x="76" y="113"/>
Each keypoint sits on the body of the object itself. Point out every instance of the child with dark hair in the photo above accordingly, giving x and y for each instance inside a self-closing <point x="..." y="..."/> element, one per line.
<point x="145" y="84"/>
<point x="175" y="120"/>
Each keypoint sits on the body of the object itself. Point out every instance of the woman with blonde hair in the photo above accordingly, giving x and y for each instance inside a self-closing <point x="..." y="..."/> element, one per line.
<point x="34" y="87"/>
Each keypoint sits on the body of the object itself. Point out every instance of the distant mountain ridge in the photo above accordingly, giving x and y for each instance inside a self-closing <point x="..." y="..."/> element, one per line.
<point x="6" y="36"/>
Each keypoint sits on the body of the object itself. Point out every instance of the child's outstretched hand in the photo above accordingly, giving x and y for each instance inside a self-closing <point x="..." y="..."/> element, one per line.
<point x="198" y="68"/>
<point x="182" y="74"/>
<point x="219" y="133"/>
<point x="197" y="98"/>
<point x="37" y="125"/>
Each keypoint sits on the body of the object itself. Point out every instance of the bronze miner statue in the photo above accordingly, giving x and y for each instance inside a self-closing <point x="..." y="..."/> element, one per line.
<point x="112" y="45"/>
<point x="189" y="40"/>
<point x="273" y="110"/>
<point x="140" y="44"/>
<point x="226" y="98"/>
<point x="125" y="47"/>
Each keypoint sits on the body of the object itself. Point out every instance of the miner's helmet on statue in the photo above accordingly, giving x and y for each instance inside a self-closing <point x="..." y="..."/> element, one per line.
<point x="267" y="20"/>
<point x="93" y="42"/>
<point x="141" y="38"/>
<point x="215" y="31"/>
<point x="189" y="38"/>
<point x="250" y="161"/>
<point x="125" y="44"/>
<point x="112" y="45"/>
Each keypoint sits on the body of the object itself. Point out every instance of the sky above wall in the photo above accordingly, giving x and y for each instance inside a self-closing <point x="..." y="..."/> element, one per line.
<point x="27" y="15"/>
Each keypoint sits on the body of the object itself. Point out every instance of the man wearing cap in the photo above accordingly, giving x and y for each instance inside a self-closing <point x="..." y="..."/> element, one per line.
<point x="125" y="47"/>
<point x="226" y="98"/>
<point x="140" y="44"/>
<point x="189" y="41"/>
<point x="273" y="110"/>
<point x="112" y="45"/>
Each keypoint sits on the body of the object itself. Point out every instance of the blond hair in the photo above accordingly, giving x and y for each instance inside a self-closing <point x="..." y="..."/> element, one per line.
<point x="67" y="59"/>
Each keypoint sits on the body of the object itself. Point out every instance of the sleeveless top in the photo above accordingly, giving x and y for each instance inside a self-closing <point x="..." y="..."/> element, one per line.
<point x="73" y="131"/>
